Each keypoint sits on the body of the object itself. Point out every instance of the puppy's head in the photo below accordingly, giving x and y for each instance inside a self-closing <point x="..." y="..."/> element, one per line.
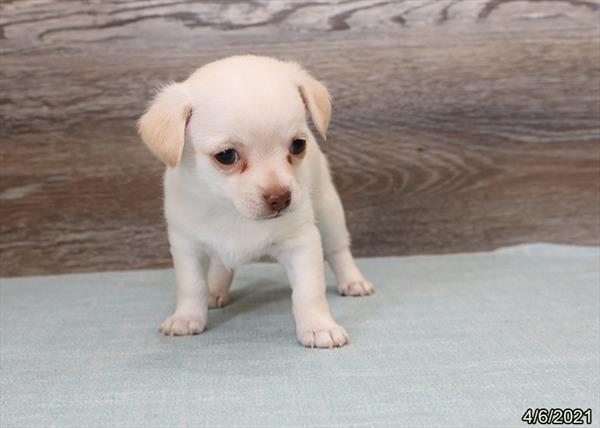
<point x="237" y="127"/>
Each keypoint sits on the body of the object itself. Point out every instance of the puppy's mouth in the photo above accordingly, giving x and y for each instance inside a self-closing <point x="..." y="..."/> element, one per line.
<point x="271" y="217"/>
<point x="275" y="215"/>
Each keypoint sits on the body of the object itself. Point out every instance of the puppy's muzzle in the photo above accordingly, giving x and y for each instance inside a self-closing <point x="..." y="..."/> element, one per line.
<point x="277" y="199"/>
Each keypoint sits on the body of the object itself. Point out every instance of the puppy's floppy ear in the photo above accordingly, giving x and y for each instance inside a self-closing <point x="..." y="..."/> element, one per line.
<point x="163" y="125"/>
<point x="317" y="101"/>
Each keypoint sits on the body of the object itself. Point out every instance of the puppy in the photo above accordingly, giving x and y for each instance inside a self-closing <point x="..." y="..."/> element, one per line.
<point x="246" y="179"/>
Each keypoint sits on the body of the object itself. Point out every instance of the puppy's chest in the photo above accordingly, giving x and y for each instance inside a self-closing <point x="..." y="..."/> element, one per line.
<point x="235" y="243"/>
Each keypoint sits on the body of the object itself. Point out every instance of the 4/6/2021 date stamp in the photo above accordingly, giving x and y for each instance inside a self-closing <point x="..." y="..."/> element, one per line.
<point x="565" y="416"/>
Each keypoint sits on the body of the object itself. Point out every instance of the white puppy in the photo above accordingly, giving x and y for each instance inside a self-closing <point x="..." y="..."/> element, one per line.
<point x="246" y="179"/>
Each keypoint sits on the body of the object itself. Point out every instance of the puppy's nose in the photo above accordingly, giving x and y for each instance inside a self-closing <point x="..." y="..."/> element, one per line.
<point x="278" y="199"/>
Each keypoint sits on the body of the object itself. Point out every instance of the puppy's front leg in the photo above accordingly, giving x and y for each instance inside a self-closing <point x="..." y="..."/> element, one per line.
<point x="191" y="311"/>
<point x="303" y="261"/>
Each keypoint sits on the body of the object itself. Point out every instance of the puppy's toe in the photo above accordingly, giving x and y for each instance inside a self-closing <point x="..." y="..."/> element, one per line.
<point x="330" y="337"/>
<point x="182" y="325"/>
<point x="356" y="288"/>
<point x="217" y="300"/>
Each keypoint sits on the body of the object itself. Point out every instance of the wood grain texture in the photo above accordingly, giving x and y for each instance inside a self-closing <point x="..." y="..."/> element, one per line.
<point x="457" y="125"/>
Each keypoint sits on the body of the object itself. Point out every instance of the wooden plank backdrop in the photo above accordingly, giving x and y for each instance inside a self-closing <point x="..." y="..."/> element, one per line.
<point x="457" y="125"/>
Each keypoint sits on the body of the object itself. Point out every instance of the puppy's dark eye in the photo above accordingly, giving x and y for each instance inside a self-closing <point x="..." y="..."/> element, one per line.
<point x="298" y="146"/>
<point x="227" y="157"/>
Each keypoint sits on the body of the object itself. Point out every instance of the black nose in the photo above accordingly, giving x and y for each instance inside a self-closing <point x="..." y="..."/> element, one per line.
<point x="278" y="199"/>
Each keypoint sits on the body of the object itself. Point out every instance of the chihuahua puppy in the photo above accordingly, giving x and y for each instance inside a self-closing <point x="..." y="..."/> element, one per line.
<point x="247" y="179"/>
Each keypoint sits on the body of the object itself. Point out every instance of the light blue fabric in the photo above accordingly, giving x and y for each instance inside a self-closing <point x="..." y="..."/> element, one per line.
<point x="456" y="340"/>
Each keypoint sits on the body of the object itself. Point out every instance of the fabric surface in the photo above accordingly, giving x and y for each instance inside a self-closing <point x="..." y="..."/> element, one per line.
<point x="456" y="340"/>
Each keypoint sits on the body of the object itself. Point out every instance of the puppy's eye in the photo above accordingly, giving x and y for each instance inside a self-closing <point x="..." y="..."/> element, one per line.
<point x="298" y="146"/>
<point x="227" y="157"/>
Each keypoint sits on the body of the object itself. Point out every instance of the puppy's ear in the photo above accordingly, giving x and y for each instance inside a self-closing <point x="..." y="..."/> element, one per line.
<point x="318" y="103"/>
<point x="163" y="125"/>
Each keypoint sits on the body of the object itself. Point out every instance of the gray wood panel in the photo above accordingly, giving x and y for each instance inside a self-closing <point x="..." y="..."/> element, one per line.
<point x="457" y="125"/>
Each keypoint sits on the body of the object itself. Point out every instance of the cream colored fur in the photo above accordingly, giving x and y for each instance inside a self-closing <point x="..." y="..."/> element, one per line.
<point x="217" y="216"/>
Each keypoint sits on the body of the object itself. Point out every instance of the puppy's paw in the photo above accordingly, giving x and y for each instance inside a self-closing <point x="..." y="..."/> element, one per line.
<point x="323" y="337"/>
<point x="217" y="299"/>
<point x="356" y="288"/>
<point x="183" y="325"/>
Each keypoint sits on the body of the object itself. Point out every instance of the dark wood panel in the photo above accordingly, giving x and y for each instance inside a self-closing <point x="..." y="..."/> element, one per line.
<point x="457" y="125"/>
